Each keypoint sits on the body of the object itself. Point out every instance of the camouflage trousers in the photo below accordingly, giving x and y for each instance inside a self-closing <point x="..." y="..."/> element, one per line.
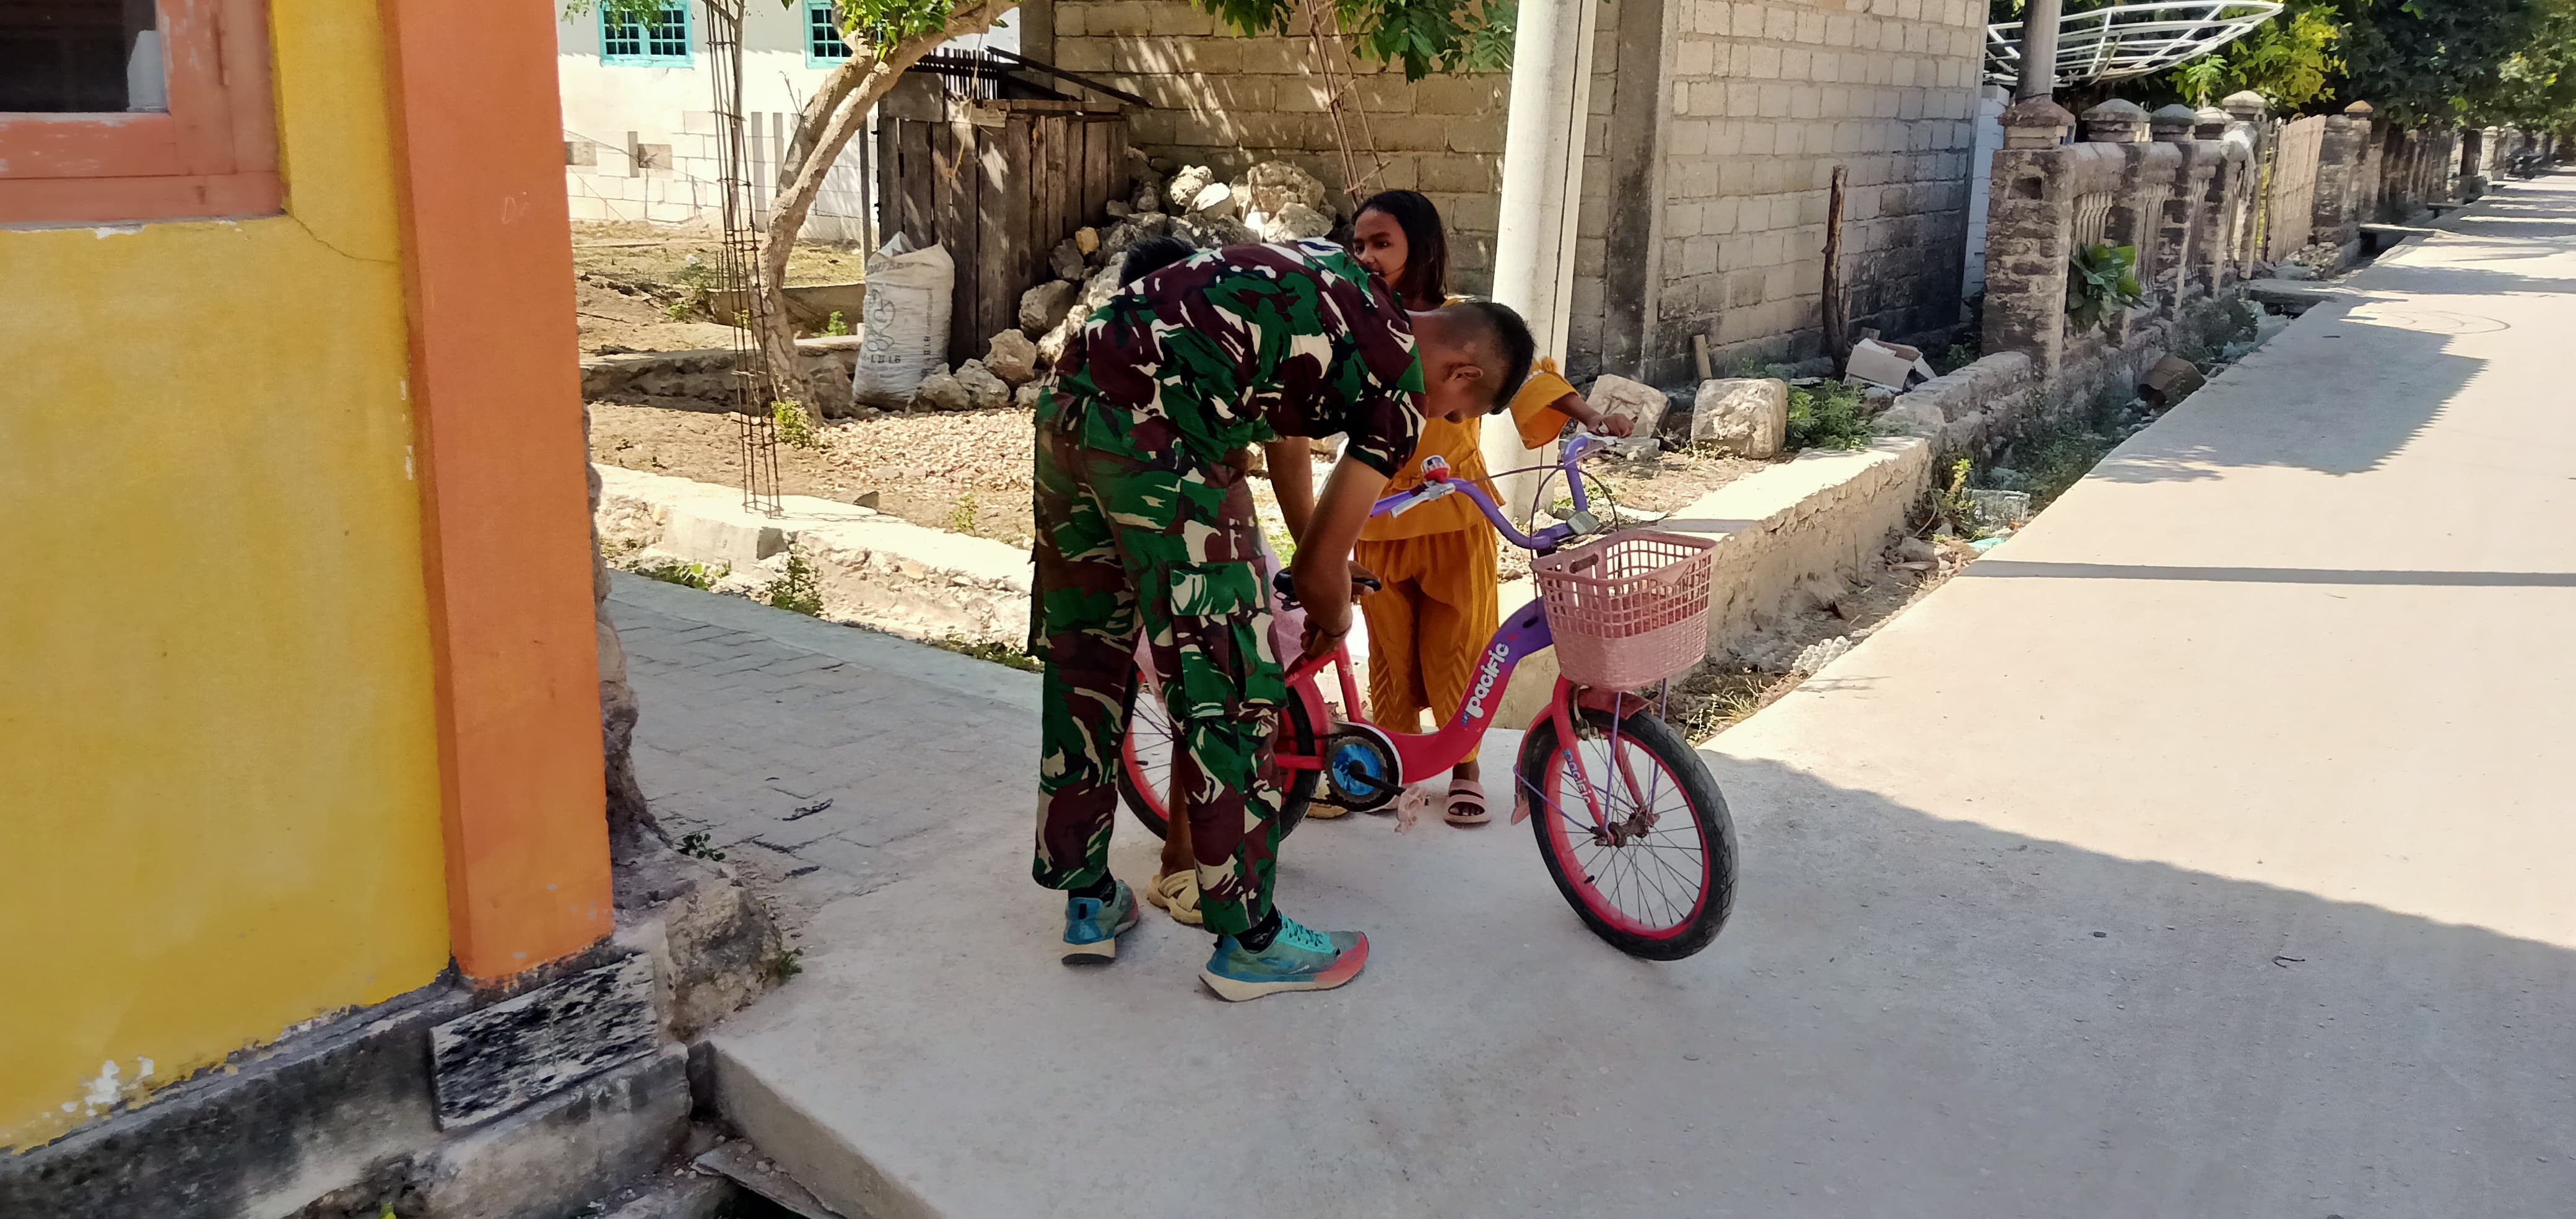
<point x="1161" y="544"/>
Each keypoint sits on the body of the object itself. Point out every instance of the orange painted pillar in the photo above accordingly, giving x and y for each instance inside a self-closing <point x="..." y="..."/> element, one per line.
<point x="496" y="400"/>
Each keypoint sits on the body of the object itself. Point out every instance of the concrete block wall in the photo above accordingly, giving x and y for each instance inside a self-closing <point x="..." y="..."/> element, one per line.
<point x="1767" y="97"/>
<point x="1757" y="102"/>
<point x="1229" y="102"/>
<point x="681" y="181"/>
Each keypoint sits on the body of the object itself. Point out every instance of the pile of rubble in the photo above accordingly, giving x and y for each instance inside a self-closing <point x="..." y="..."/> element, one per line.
<point x="1273" y="201"/>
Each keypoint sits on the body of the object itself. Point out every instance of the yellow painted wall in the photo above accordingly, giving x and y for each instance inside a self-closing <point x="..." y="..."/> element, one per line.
<point x="219" y="794"/>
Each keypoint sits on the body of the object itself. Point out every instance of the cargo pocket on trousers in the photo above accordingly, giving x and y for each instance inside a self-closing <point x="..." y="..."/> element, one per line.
<point x="1220" y="648"/>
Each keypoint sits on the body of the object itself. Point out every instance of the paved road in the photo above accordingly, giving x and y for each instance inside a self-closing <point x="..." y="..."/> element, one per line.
<point x="823" y="761"/>
<point x="2202" y="852"/>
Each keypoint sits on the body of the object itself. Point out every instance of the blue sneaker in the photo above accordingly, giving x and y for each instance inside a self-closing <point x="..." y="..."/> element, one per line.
<point x="1299" y="958"/>
<point x="1092" y="926"/>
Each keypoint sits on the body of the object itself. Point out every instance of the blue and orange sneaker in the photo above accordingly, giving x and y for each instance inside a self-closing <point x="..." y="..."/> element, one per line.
<point x="1299" y="958"/>
<point x="1092" y="926"/>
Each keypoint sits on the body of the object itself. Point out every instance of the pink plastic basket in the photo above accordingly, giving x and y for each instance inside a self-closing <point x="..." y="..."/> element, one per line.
<point x="1628" y="610"/>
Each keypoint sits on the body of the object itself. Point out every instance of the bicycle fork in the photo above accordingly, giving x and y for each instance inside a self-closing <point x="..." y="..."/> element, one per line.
<point x="1571" y="731"/>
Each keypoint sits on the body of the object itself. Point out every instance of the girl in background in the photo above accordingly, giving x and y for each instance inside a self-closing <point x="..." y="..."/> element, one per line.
<point x="1438" y="561"/>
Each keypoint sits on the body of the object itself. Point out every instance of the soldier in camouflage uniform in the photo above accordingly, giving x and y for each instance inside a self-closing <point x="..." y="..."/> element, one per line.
<point x="1145" y="523"/>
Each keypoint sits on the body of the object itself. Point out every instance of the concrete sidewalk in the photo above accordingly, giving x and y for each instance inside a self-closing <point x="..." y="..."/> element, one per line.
<point x="2202" y="852"/>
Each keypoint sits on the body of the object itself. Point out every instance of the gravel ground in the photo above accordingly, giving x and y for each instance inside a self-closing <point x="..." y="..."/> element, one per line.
<point x="630" y="278"/>
<point x="949" y="470"/>
<point x="936" y="470"/>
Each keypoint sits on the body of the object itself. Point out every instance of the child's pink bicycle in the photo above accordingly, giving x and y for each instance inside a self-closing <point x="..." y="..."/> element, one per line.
<point x="1631" y="824"/>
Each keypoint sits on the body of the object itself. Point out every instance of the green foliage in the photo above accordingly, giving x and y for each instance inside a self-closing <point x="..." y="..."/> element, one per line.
<point x="2101" y="280"/>
<point x="695" y="846"/>
<point x="798" y="590"/>
<point x="796" y="429"/>
<point x="1011" y="655"/>
<point x="2424" y="60"/>
<point x="695" y="279"/>
<point x="1422" y="36"/>
<point x="1957" y="356"/>
<point x="1827" y="417"/>
<point x="1952" y="507"/>
<point x="788" y="963"/>
<point x="2535" y="87"/>
<point x="2290" y="59"/>
<point x="835" y="326"/>
<point x="961" y="517"/>
<point x="2202" y="79"/>
<point x="699" y="576"/>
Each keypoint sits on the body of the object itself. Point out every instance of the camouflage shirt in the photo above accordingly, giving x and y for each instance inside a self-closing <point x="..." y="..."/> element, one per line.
<point x="1245" y="344"/>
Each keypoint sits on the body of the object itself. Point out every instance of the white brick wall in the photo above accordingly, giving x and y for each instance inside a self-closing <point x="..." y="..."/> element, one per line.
<point x="1765" y="98"/>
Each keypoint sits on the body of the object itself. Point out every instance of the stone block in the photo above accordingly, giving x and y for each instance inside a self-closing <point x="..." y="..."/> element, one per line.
<point x="496" y="1059"/>
<point x="712" y="534"/>
<point x="1746" y="416"/>
<point x="567" y="1150"/>
<point x="1043" y="306"/>
<point x="1640" y="404"/>
<point x="1012" y="357"/>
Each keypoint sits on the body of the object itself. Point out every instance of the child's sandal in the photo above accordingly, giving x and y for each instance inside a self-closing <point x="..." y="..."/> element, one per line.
<point x="1466" y="803"/>
<point x="1178" y="894"/>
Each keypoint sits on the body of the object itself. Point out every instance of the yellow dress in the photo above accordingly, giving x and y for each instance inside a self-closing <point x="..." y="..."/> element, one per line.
<point x="1429" y="626"/>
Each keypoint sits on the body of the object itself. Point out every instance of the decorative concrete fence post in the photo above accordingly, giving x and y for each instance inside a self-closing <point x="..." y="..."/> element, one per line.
<point x="2336" y="216"/>
<point x="2209" y="123"/>
<point x="2178" y="204"/>
<point x="2115" y="122"/>
<point x="2227" y="215"/>
<point x="2252" y="115"/>
<point x="2029" y="236"/>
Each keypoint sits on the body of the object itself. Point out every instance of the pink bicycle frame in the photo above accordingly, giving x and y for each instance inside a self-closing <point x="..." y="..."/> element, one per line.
<point x="1421" y="755"/>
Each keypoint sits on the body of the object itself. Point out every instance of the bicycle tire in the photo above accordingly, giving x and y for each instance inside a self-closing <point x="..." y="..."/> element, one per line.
<point x="1294" y="732"/>
<point x="1540" y="770"/>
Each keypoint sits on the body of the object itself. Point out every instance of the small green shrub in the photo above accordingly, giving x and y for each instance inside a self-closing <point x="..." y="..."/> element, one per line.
<point x="1952" y="507"/>
<point x="695" y="846"/>
<point x="1826" y="417"/>
<point x="694" y="278"/>
<point x="961" y="517"/>
<point x="798" y="590"/>
<point x="1011" y="655"/>
<point x="795" y="428"/>
<point x="699" y="576"/>
<point x="2101" y="280"/>
<point x="836" y="326"/>
<point x="788" y="963"/>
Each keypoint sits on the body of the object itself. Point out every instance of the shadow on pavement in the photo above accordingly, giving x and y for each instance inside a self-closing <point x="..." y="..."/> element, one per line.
<point x="2009" y="569"/>
<point x="2039" y="1029"/>
<point x="2339" y="395"/>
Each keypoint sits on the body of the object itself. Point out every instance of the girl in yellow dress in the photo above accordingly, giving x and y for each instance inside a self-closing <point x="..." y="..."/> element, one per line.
<point x="1438" y="561"/>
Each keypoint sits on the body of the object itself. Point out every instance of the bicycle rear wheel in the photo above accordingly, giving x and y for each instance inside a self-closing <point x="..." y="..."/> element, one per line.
<point x="1659" y="880"/>
<point x="1145" y="758"/>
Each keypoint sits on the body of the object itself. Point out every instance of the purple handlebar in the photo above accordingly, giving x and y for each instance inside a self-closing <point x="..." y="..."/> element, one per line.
<point x="1545" y="538"/>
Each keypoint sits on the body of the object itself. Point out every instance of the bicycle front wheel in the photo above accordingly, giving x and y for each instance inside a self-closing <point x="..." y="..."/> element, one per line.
<point x="1656" y="875"/>
<point x="1145" y="758"/>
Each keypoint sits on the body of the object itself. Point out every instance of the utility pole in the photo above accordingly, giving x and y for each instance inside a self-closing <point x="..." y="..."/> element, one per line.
<point x="2039" y="21"/>
<point x="1542" y="193"/>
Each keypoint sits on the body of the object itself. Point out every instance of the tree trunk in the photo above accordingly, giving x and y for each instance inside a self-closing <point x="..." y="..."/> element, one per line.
<point x="837" y="111"/>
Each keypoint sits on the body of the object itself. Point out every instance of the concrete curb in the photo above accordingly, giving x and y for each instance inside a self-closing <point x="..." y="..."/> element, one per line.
<point x="858" y="645"/>
<point x="875" y="570"/>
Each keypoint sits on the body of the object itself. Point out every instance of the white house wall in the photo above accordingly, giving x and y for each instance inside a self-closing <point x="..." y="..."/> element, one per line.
<point x="610" y="109"/>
